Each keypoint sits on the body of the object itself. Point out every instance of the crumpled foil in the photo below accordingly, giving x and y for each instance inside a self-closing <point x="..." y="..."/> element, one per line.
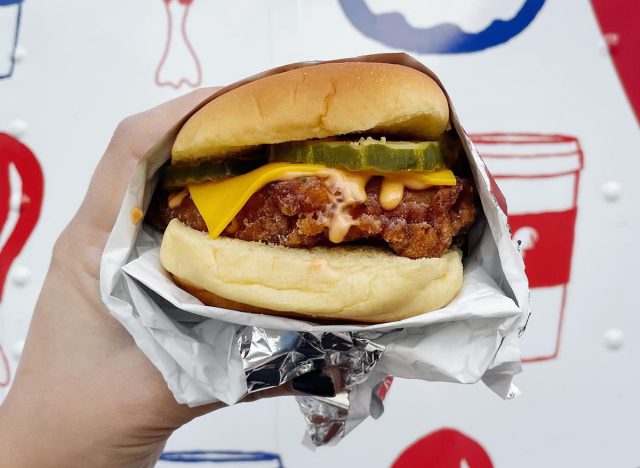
<point x="274" y="357"/>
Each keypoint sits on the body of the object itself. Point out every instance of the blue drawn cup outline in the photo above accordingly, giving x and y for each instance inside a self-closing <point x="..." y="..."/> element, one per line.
<point x="220" y="456"/>
<point x="12" y="57"/>
<point x="392" y="29"/>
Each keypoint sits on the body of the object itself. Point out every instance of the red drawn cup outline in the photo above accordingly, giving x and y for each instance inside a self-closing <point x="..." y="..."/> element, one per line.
<point x="526" y="138"/>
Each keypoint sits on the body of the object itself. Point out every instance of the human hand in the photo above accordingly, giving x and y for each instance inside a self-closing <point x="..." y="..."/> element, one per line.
<point x="84" y="394"/>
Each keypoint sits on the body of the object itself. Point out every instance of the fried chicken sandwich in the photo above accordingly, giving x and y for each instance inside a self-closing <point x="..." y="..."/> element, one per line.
<point x="323" y="192"/>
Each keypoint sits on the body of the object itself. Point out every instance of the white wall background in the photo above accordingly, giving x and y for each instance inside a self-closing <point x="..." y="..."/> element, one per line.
<point x="86" y="65"/>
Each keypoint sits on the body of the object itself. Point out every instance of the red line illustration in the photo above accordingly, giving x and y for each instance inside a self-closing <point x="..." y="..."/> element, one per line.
<point x="538" y="176"/>
<point x="444" y="448"/>
<point x="12" y="152"/>
<point x="170" y="49"/>
<point x="383" y="388"/>
<point x="619" y="25"/>
<point x="556" y="350"/>
<point x="11" y="10"/>
<point x="543" y="224"/>
<point x="569" y="154"/>
<point x="521" y="138"/>
<point x="30" y="172"/>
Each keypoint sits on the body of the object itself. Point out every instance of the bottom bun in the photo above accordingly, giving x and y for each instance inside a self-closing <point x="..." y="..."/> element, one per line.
<point x="208" y="298"/>
<point x="353" y="283"/>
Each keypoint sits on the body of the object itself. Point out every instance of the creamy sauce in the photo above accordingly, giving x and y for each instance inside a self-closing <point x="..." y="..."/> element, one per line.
<point x="410" y="182"/>
<point x="391" y="193"/>
<point x="339" y="225"/>
<point x="318" y="264"/>
<point x="175" y="199"/>
<point x="232" y="227"/>
<point x="136" y="215"/>
<point x="347" y="189"/>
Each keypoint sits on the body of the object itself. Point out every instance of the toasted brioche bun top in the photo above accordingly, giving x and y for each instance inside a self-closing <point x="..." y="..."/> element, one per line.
<point x="315" y="102"/>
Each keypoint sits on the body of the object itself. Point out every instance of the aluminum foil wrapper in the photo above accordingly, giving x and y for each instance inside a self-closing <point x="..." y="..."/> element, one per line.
<point x="208" y="354"/>
<point x="328" y="419"/>
<point x="274" y="357"/>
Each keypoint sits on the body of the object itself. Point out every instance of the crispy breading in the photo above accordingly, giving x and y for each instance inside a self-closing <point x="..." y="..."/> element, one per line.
<point x="296" y="213"/>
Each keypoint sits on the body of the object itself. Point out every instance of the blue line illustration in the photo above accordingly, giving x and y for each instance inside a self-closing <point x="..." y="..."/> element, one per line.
<point x="12" y="58"/>
<point x="220" y="456"/>
<point x="392" y="29"/>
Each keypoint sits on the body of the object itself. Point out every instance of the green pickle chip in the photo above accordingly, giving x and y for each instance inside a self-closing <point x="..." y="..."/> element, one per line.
<point x="179" y="176"/>
<point x="365" y="154"/>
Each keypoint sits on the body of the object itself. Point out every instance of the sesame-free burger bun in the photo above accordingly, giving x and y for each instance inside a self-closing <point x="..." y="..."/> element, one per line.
<point x="315" y="102"/>
<point x="355" y="283"/>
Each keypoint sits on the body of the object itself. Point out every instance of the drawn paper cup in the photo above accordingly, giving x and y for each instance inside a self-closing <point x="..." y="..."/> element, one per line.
<point x="539" y="175"/>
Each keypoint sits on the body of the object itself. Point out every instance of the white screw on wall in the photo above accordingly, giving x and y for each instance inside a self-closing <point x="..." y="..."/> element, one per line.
<point x="611" y="190"/>
<point x="607" y="43"/>
<point x="19" y="54"/>
<point x="613" y="339"/>
<point x="15" y="201"/>
<point x="18" y="127"/>
<point x="16" y="349"/>
<point x="20" y="275"/>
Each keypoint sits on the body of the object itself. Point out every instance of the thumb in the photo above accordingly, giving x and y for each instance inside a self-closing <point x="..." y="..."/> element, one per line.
<point x="133" y="137"/>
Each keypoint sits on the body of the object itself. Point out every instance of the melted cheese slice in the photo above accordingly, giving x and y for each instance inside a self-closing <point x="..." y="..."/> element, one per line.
<point x="219" y="202"/>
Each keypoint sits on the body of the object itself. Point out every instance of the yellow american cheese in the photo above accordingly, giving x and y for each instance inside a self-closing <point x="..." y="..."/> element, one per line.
<point x="220" y="201"/>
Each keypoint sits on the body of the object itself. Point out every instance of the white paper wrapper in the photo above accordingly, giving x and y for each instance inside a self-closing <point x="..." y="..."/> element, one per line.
<point x="195" y="347"/>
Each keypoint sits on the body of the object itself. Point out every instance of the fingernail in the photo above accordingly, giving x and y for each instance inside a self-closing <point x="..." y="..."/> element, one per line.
<point x="315" y="383"/>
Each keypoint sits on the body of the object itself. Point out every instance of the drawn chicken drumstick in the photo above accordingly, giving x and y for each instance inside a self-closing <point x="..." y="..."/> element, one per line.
<point x="179" y="63"/>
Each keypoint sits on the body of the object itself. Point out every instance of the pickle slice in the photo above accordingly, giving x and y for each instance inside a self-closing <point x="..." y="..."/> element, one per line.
<point x="178" y="176"/>
<point x="366" y="154"/>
